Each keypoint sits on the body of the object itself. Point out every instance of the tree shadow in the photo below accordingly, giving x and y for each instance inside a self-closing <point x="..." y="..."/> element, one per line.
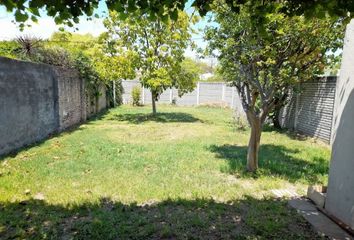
<point x="274" y="160"/>
<point x="291" y="134"/>
<point x="249" y="218"/>
<point x="137" y="118"/>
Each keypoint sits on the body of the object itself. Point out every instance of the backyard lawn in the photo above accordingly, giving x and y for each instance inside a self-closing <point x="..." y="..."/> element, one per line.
<point x="178" y="175"/>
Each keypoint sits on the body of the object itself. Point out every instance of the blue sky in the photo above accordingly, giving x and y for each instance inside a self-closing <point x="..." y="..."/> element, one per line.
<point x="46" y="27"/>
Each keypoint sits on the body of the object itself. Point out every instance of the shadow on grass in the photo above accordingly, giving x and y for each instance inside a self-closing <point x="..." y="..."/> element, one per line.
<point x="171" y="219"/>
<point x="138" y="118"/>
<point x="273" y="160"/>
<point x="291" y="134"/>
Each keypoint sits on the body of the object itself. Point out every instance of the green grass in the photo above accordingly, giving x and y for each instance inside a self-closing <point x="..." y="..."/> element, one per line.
<point x="179" y="174"/>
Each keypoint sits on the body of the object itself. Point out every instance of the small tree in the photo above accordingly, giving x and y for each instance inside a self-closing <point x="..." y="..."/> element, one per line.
<point x="136" y="95"/>
<point x="265" y="64"/>
<point x="160" y="47"/>
<point x="110" y="65"/>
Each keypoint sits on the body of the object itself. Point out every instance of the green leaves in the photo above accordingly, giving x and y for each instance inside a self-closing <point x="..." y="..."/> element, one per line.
<point x="265" y="62"/>
<point x="20" y="16"/>
<point x="158" y="44"/>
<point x="168" y="9"/>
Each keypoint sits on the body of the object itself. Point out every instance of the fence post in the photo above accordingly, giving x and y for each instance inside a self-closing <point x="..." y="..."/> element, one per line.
<point x="232" y="96"/>
<point x="296" y="110"/>
<point x="114" y="93"/>
<point x="171" y="95"/>
<point x="143" y="95"/>
<point x="223" y="92"/>
<point x="198" y="90"/>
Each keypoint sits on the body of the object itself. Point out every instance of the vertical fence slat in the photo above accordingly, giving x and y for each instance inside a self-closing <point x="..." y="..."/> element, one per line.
<point x="143" y="95"/>
<point x="198" y="92"/>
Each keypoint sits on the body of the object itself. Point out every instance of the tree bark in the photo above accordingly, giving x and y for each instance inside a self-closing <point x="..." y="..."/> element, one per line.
<point x="153" y="101"/>
<point x="254" y="142"/>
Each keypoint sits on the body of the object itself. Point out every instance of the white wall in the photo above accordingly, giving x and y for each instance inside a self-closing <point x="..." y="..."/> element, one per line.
<point x="340" y="194"/>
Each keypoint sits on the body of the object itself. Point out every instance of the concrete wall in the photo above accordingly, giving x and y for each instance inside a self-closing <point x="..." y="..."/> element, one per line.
<point x="71" y="97"/>
<point x="204" y="93"/>
<point x="28" y="112"/>
<point x="91" y="103"/>
<point x="311" y="111"/>
<point x="340" y="194"/>
<point x="37" y="100"/>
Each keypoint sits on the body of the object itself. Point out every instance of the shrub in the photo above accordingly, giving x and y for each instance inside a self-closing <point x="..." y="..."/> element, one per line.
<point x="240" y="121"/>
<point x="136" y="94"/>
<point x="28" y="45"/>
<point x="56" y="56"/>
<point x="9" y="49"/>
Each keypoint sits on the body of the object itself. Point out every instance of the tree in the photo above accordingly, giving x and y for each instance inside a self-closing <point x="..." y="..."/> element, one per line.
<point x="110" y="65"/>
<point x="9" y="48"/>
<point x="264" y="65"/>
<point x="197" y="66"/>
<point x="159" y="47"/>
<point x="113" y="66"/>
<point x="68" y="12"/>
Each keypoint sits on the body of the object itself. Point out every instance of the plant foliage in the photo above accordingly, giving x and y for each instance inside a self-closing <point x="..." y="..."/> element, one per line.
<point x="265" y="64"/>
<point x="158" y="47"/>
<point x="68" y="12"/>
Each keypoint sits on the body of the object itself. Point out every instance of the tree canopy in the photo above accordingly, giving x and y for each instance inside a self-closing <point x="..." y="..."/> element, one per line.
<point x="159" y="47"/>
<point x="265" y="64"/>
<point x="68" y="12"/>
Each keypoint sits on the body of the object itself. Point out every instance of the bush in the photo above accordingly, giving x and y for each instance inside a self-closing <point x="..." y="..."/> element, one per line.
<point x="240" y="121"/>
<point x="136" y="94"/>
<point x="56" y="56"/>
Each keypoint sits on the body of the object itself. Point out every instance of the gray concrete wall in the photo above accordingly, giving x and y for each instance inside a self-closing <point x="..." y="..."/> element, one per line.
<point x="28" y="112"/>
<point x="91" y="103"/>
<point x="37" y="100"/>
<point x="71" y="97"/>
<point x="340" y="194"/>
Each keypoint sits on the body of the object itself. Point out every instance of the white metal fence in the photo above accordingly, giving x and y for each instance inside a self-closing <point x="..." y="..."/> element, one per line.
<point x="205" y="93"/>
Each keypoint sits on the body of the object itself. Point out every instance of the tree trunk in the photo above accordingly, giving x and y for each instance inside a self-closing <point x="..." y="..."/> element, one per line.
<point x="153" y="100"/>
<point x="254" y="142"/>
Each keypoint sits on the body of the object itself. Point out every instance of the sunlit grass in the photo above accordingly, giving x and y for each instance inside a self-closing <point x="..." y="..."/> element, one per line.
<point x="180" y="156"/>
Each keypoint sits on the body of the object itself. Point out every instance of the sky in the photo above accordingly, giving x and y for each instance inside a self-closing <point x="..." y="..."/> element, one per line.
<point x="46" y="26"/>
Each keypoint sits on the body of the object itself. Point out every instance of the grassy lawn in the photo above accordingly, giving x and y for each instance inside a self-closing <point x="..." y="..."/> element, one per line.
<point x="179" y="175"/>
